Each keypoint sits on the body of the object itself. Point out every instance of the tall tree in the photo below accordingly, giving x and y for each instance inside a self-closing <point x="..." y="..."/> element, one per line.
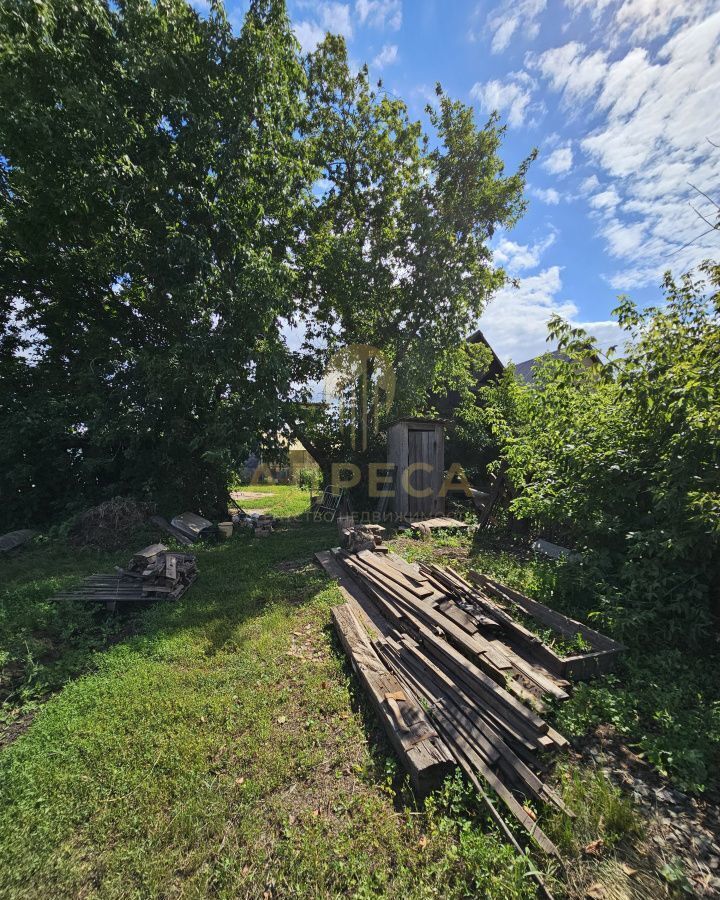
<point x="151" y="178"/>
<point x="397" y="254"/>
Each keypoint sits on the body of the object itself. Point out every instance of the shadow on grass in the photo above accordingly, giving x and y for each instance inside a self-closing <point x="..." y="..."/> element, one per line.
<point x="46" y="643"/>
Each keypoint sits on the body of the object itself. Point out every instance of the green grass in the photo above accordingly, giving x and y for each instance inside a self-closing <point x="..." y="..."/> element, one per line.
<point x="218" y="748"/>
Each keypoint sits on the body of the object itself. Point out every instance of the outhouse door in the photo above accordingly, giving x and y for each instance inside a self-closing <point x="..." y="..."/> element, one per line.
<point x="422" y="449"/>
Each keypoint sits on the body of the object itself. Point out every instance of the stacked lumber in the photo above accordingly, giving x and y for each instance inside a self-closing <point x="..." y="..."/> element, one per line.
<point x="458" y="660"/>
<point x="162" y="573"/>
<point x="153" y="572"/>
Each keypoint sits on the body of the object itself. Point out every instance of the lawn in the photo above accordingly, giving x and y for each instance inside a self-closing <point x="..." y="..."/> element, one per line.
<point x="215" y="747"/>
<point x="219" y="746"/>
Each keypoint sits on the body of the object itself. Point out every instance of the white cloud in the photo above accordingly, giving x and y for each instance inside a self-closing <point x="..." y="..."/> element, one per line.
<point x="335" y="18"/>
<point x="560" y="161"/>
<point x="547" y="195"/>
<point x="517" y="257"/>
<point x="386" y="57"/>
<point x="380" y="13"/>
<point x="513" y="97"/>
<point x="513" y="18"/>
<point x="332" y="17"/>
<point x="650" y="113"/>
<point x="643" y="19"/>
<point x="608" y="199"/>
<point x="308" y="34"/>
<point x="515" y="323"/>
<point x="590" y="184"/>
<point x="571" y="70"/>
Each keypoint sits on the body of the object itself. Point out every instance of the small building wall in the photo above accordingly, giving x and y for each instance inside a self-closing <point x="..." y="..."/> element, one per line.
<point x="412" y="443"/>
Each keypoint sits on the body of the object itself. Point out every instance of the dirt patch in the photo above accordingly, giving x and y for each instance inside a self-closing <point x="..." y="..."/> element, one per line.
<point x="682" y="833"/>
<point x="12" y="730"/>
<point x="250" y="495"/>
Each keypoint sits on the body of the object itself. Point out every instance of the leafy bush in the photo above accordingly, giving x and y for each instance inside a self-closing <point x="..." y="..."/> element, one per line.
<point x="309" y="479"/>
<point x="623" y="451"/>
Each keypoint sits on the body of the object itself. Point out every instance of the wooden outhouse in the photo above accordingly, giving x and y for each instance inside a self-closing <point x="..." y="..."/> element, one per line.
<point x="416" y="449"/>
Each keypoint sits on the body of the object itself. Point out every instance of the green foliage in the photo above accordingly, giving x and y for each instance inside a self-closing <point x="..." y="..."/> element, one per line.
<point x="623" y="453"/>
<point x="309" y="479"/>
<point x="397" y="254"/>
<point x="150" y="186"/>
<point x="171" y="195"/>
<point x="602" y="812"/>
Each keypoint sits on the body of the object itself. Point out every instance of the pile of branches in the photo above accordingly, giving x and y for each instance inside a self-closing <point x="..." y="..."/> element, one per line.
<point x="111" y="524"/>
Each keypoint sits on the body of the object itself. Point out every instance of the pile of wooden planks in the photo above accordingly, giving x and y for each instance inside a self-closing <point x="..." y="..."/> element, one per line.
<point x="153" y="572"/>
<point x="161" y="572"/>
<point x="466" y="670"/>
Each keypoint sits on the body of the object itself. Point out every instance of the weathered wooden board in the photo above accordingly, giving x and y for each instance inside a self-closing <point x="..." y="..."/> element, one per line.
<point x="603" y="657"/>
<point x="355" y="595"/>
<point x="416" y="741"/>
<point x="438" y="523"/>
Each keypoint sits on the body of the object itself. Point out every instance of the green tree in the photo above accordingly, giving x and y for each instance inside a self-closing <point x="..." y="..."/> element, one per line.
<point x="151" y="181"/>
<point x="397" y="253"/>
<point x="624" y="453"/>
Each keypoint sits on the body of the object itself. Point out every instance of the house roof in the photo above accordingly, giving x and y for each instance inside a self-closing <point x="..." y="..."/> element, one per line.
<point x="496" y="366"/>
<point x="525" y="371"/>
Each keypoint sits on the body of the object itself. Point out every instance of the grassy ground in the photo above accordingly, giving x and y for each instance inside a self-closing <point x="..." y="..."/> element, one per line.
<point x="217" y="748"/>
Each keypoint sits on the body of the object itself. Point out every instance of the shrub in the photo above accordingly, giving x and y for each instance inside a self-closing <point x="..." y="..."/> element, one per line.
<point x="623" y="451"/>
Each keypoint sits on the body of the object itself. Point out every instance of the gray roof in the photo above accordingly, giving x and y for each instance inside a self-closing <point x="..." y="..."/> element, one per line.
<point x="525" y="371"/>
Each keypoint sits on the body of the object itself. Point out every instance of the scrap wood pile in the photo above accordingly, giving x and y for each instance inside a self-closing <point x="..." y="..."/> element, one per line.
<point x="153" y="572"/>
<point x="356" y="538"/>
<point x="454" y="678"/>
<point x="261" y="523"/>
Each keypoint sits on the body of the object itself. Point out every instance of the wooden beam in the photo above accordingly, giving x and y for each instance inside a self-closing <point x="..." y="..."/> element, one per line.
<point x="416" y="741"/>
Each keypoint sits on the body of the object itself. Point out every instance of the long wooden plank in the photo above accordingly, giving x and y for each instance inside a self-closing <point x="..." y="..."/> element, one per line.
<point x="434" y="693"/>
<point x="361" y="604"/>
<point x="497" y="697"/>
<point x="558" y="621"/>
<point x="464" y="697"/>
<point x="468" y="700"/>
<point x="528" y="669"/>
<point x="410" y="570"/>
<point x="416" y="741"/>
<point x="474" y="645"/>
<point x="385" y="568"/>
<point x="471" y="761"/>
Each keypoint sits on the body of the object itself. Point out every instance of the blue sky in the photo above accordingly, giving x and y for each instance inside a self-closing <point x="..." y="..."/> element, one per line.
<point x="622" y="99"/>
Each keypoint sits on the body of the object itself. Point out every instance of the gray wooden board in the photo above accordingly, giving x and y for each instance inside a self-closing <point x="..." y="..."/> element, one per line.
<point x="473" y="644"/>
<point x="471" y="759"/>
<point x="417" y="743"/>
<point x="362" y="605"/>
<point x="601" y="659"/>
<point x="438" y="523"/>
